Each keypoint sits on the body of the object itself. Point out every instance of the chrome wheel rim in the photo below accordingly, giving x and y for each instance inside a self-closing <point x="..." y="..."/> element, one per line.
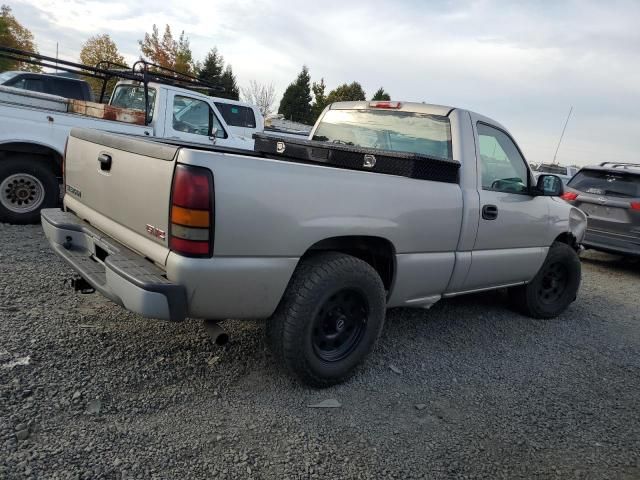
<point x="21" y="193"/>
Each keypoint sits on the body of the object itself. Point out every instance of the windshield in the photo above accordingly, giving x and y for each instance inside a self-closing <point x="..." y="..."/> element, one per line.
<point x="607" y="183"/>
<point x="4" y="76"/>
<point x="388" y="130"/>
<point x="132" y="96"/>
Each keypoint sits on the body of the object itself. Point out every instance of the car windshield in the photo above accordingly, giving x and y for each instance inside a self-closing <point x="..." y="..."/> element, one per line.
<point x="615" y="184"/>
<point x="388" y="130"/>
<point x="132" y="96"/>
<point x="6" y="76"/>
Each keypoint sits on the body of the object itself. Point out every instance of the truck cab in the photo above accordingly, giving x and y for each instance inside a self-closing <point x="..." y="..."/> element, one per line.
<point x="178" y="114"/>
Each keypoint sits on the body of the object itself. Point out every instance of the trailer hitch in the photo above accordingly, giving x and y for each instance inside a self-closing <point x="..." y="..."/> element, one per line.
<point x="79" y="284"/>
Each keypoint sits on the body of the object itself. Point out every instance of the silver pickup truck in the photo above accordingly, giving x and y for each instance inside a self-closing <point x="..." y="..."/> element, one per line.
<point x="387" y="204"/>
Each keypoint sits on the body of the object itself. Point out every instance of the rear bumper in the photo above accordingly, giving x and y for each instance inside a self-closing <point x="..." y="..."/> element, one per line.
<point x="112" y="269"/>
<point x="611" y="242"/>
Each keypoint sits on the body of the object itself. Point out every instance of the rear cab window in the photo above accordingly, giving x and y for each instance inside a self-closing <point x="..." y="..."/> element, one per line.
<point x="396" y="131"/>
<point x="608" y="183"/>
<point x="67" y="88"/>
<point x="132" y="96"/>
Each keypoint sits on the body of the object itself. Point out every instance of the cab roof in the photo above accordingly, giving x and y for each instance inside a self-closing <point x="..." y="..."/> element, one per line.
<point x="415" y="107"/>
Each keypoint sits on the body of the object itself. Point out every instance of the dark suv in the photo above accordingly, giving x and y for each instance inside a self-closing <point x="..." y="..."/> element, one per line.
<point x="610" y="196"/>
<point x="54" y="84"/>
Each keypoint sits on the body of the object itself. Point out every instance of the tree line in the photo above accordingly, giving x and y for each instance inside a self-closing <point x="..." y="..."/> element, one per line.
<point x="303" y="101"/>
<point x="298" y="105"/>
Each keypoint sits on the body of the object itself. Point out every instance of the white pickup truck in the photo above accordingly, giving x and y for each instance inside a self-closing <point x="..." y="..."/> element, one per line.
<point x="34" y="128"/>
<point x="388" y="204"/>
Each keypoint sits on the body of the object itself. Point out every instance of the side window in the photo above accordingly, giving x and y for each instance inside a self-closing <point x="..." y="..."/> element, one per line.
<point x="237" y="115"/>
<point x="503" y="168"/>
<point x="34" y="84"/>
<point x="26" y="83"/>
<point x="67" y="88"/>
<point x="191" y="115"/>
<point x="16" y="83"/>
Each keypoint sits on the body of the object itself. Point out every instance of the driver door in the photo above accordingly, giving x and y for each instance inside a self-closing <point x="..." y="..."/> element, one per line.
<point x="511" y="241"/>
<point x="191" y="119"/>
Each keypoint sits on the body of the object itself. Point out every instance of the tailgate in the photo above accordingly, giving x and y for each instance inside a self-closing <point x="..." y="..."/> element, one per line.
<point x="122" y="186"/>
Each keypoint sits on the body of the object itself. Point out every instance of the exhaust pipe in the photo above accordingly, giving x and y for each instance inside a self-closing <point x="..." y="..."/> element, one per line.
<point x="216" y="332"/>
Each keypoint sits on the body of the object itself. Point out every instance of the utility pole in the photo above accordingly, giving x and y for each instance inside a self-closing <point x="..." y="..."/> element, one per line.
<point x="562" y="135"/>
<point x="56" y="57"/>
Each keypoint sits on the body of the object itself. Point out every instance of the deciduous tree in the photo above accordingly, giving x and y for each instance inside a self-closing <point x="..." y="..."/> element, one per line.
<point x="14" y="35"/>
<point x="166" y="51"/>
<point x="263" y="96"/>
<point x="100" y="48"/>
<point x="183" y="60"/>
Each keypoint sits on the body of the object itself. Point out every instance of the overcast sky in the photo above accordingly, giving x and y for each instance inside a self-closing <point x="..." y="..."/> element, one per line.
<point x="522" y="63"/>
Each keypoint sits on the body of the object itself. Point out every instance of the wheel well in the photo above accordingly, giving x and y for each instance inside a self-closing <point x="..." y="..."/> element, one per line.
<point x="376" y="251"/>
<point x="38" y="152"/>
<point x="568" y="238"/>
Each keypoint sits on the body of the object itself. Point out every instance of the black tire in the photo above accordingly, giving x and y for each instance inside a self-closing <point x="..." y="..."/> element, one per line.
<point x="327" y="290"/>
<point x="553" y="288"/>
<point x="27" y="185"/>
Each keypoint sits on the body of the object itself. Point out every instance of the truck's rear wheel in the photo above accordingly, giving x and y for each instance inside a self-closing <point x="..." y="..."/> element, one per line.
<point x="553" y="288"/>
<point x="329" y="318"/>
<point x="26" y="187"/>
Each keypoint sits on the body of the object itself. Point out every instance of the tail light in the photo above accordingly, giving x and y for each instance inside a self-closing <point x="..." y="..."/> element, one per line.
<point x="569" y="196"/>
<point x="191" y="232"/>
<point x="634" y="205"/>
<point x="385" y="104"/>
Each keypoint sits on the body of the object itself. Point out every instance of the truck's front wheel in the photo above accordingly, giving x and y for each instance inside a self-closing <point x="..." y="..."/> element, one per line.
<point x="26" y="187"/>
<point x="554" y="287"/>
<point x="329" y="318"/>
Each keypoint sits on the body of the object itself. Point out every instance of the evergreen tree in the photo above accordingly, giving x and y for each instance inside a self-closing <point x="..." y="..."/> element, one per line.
<point x="230" y="85"/>
<point x="211" y="69"/>
<point x="296" y="101"/>
<point x="320" y="99"/>
<point x="381" y="95"/>
<point x="346" y="93"/>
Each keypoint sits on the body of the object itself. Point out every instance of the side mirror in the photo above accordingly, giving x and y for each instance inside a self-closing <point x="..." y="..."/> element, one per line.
<point x="213" y="134"/>
<point x="549" y="186"/>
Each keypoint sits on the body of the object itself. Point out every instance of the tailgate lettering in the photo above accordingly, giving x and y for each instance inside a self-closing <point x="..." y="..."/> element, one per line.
<point x="74" y="191"/>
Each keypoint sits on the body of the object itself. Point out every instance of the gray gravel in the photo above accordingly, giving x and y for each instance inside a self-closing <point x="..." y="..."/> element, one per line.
<point x="468" y="389"/>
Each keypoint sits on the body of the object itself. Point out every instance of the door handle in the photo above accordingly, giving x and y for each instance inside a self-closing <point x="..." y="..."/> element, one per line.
<point x="105" y="162"/>
<point x="489" y="212"/>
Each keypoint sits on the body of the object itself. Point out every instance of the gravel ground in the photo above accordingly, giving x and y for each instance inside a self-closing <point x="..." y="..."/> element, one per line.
<point x="467" y="389"/>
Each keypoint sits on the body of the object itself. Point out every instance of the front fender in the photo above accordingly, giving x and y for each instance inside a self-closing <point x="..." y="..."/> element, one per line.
<point x="577" y="224"/>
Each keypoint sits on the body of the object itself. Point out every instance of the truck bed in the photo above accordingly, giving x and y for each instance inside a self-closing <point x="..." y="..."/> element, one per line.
<point x="267" y="213"/>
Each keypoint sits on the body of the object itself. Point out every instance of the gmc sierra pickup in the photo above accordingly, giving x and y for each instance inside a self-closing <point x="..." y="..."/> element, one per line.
<point x="387" y="204"/>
